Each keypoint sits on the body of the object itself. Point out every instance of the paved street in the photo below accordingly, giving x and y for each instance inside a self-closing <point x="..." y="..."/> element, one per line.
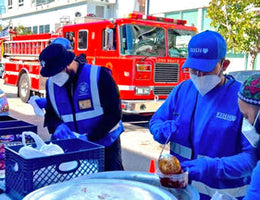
<point x="138" y="146"/>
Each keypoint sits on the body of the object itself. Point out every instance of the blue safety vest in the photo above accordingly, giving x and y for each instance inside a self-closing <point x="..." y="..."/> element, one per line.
<point x="86" y="106"/>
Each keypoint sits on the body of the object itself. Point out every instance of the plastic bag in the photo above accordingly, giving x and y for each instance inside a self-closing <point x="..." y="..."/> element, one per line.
<point x="41" y="148"/>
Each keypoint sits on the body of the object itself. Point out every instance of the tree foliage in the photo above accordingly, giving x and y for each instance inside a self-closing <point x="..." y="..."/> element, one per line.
<point x="21" y="30"/>
<point x="239" y="22"/>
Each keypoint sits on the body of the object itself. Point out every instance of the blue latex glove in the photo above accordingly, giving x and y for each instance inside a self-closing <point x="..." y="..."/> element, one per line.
<point x="168" y="128"/>
<point x="63" y="132"/>
<point x="41" y="102"/>
<point x="83" y="137"/>
<point x="198" y="168"/>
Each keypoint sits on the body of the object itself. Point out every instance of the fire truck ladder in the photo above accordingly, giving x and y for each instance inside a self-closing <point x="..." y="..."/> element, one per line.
<point x="24" y="49"/>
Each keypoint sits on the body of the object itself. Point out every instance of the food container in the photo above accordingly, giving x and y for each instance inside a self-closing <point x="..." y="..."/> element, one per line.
<point x="173" y="180"/>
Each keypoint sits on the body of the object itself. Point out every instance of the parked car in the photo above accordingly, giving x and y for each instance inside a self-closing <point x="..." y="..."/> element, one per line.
<point x="242" y="75"/>
<point x="4" y="107"/>
<point x="2" y="69"/>
<point x="4" y="110"/>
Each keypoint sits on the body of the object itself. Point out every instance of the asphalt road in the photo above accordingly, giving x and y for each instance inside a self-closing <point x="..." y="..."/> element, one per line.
<point x="138" y="146"/>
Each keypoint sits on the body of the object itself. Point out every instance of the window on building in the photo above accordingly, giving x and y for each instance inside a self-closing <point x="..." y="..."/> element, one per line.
<point x="41" y="29"/>
<point x="191" y="16"/>
<point x="21" y="2"/>
<point x="41" y="2"/>
<point x="10" y="4"/>
<point x="35" y="29"/>
<point x="83" y="40"/>
<point x="46" y="28"/>
<point x="100" y="11"/>
<point x="206" y="21"/>
<point x="28" y="29"/>
<point x="174" y="15"/>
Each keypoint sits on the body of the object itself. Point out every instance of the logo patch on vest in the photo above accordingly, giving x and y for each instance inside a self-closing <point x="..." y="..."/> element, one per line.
<point x="226" y="117"/>
<point x="83" y="89"/>
<point x="85" y="104"/>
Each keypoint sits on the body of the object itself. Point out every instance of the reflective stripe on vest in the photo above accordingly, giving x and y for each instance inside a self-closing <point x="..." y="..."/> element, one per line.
<point x="204" y="189"/>
<point x="181" y="150"/>
<point x="112" y="136"/>
<point x="97" y="111"/>
<point x="51" y="95"/>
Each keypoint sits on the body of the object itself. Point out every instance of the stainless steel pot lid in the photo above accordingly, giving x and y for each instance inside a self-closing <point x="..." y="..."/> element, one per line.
<point x="96" y="189"/>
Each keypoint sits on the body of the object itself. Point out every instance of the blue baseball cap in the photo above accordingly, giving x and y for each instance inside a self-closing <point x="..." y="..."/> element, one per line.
<point x="63" y="41"/>
<point x="205" y="50"/>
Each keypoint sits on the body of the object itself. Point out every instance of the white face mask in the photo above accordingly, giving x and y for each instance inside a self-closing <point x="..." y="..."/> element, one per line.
<point x="60" y="79"/>
<point x="249" y="131"/>
<point x="205" y="83"/>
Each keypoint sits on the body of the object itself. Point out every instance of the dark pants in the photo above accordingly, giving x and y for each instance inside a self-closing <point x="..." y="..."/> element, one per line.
<point x="113" y="157"/>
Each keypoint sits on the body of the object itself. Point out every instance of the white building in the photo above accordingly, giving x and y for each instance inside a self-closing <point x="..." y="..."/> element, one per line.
<point x="41" y="16"/>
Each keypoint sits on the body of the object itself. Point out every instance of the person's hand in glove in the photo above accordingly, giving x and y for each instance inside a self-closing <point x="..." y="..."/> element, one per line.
<point x="41" y="102"/>
<point x="81" y="136"/>
<point x="198" y="168"/>
<point x="63" y="132"/>
<point x="168" y="128"/>
<point x="253" y="188"/>
<point x="38" y="104"/>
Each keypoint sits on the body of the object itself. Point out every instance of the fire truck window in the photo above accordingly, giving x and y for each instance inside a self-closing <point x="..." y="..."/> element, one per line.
<point x="178" y="42"/>
<point x="108" y="39"/>
<point x="71" y="37"/>
<point x="142" y="40"/>
<point x="82" y="40"/>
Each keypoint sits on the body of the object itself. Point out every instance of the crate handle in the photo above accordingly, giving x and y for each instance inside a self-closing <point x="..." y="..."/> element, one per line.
<point x="14" y="166"/>
<point x="38" y="141"/>
<point x="67" y="167"/>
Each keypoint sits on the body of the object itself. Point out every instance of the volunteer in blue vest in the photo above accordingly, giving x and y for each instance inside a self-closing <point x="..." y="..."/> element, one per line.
<point x="249" y="104"/>
<point x="202" y="121"/>
<point x="82" y="98"/>
<point x="38" y="103"/>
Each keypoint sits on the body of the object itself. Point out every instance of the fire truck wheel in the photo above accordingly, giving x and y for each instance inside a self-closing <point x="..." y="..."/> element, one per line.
<point x="24" y="91"/>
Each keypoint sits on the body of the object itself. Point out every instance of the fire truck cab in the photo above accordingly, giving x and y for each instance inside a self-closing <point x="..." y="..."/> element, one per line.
<point x="144" y="54"/>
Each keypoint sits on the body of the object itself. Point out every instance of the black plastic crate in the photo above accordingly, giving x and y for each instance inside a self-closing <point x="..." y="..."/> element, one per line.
<point x="12" y="126"/>
<point x="23" y="176"/>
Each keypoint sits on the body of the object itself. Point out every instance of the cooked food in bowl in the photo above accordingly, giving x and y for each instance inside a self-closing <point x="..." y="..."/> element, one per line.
<point x="170" y="172"/>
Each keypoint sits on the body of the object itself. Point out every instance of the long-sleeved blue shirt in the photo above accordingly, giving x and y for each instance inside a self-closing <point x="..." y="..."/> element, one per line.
<point x="208" y="126"/>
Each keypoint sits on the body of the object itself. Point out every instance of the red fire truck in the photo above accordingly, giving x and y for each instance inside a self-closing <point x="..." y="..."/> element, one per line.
<point x="144" y="54"/>
<point x="21" y="66"/>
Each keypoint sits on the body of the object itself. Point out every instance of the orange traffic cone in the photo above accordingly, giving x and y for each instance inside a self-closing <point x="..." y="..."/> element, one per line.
<point x="152" y="166"/>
